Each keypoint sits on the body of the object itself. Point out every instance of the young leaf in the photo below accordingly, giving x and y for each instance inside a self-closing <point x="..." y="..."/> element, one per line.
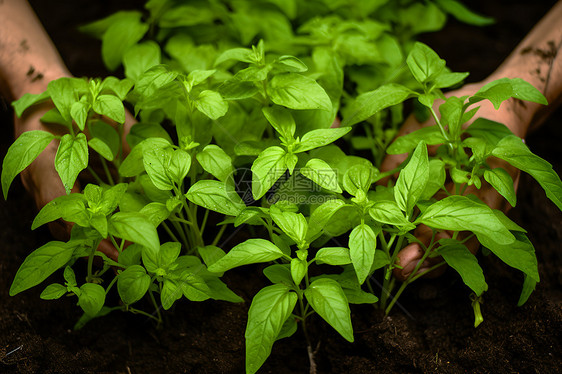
<point x="328" y="300"/>
<point x="132" y="284"/>
<point x="91" y="298"/>
<point x="64" y="93"/>
<point x="270" y="308"/>
<point x="157" y="165"/>
<point x="297" y="91"/>
<point x="71" y="159"/>
<point x="238" y="54"/>
<point x="216" y="162"/>
<point x="79" y="113"/>
<point x="249" y="252"/>
<point x="320" y="217"/>
<point x="217" y="196"/>
<point x="111" y="107"/>
<point x="466" y="264"/>
<point x="320" y="137"/>
<point x="281" y="120"/>
<point x="135" y="228"/>
<point x="362" y="243"/>
<point x="53" y="291"/>
<point x="105" y="139"/>
<point x="292" y="224"/>
<point x="210" y="254"/>
<point x="71" y="208"/>
<point x="369" y="103"/>
<point x="424" y="63"/>
<point x="436" y="179"/>
<point x="412" y="180"/>
<point x="492" y="132"/>
<point x="514" y="151"/>
<point x="267" y="169"/>
<point x="358" y="178"/>
<point x="279" y="273"/>
<point x="459" y="213"/>
<point x="21" y="154"/>
<point x="298" y="269"/>
<point x="500" y="179"/>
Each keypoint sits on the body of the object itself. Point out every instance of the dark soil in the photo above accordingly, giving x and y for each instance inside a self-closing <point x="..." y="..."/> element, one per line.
<point x="431" y="332"/>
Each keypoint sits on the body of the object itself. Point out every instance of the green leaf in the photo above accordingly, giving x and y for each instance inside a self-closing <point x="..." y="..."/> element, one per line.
<point x="281" y="120"/>
<point x="41" y="263"/>
<point x="463" y="14"/>
<point x="216" y="162"/>
<point x="111" y="107"/>
<point x="170" y="293"/>
<point x="185" y="15"/>
<point x="451" y="114"/>
<point x="105" y="139"/>
<point x="298" y="269"/>
<point x="358" y="178"/>
<point x="28" y="100"/>
<point x="21" y="154"/>
<point x="492" y="132"/>
<point x="389" y="212"/>
<point x="465" y="263"/>
<point x="320" y="217"/>
<point x="217" y="196"/>
<point x="358" y="296"/>
<point x="249" y="252"/>
<point x="237" y="54"/>
<point x="132" y="284"/>
<point x="91" y="298"/>
<point x="459" y="213"/>
<point x="297" y="91"/>
<point x="519" y="254"/>
<point x="53" y="291"/>
<point x="71" y="159"/>
<point x="292" y="224"/>
<point x="369" y="103"/>
<point x="445" y="80"/>
<point x="270" y="308"/>
<point x="79" y="113"/>
<point x="529" y="285"/>
<point x="328" y="300"/>
<point x="157" y="162"/>
<point x="267" y="169"/>
<point x="211" y="104"/>
<point x="406" y="143"/>
<point x="412" y="180"/>
<point x="279" y="273"/>
<point x="288" y="329"/>
<point x="69" y="276"/>
<point x="64" y="93"/>
<point x="424" y="63"/>
<point x="500" y="179"/>
<point x="333" y="256"/>
<point x="141" y="57"/>
<point x="119" y="87"/>
<point x="514" y="151"/>
<point x="71" y="208"/>
<point x="320" y="137"/>
<point x="131" y="255"/>
<point x="118" y="37"/>
<point x="496" y="92"/>
<point x="322" y="174"/>
<point x="135" y="228"/>
<point x="210" y="254"/>
<point x="436" y="181"/>
<point x="362" y="244"/>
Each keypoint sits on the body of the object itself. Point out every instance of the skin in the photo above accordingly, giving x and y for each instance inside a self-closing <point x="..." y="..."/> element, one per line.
<point x="538" y="60"/>
<point x="28" y="62"/>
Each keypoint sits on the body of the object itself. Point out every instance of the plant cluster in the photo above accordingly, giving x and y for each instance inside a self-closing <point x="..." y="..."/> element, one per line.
<point x="231" y="137"/>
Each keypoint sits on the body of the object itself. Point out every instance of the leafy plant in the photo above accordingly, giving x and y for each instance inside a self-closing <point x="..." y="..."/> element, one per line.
<point x="213" y="109"/>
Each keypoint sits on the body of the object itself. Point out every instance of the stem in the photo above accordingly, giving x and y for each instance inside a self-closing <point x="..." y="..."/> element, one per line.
<point x="110" y="285"/>
<point x="219" y="235"/>
<point x="438" y="122"/>
<point x="204" y="223"/>
<point x="142" y="312"/>
<point x="155" y="306"/>
<point x="306" y="336"/>
<point x="169" y="231"/>
<point x="95" y="175"/>
<point x="106" y="170"/>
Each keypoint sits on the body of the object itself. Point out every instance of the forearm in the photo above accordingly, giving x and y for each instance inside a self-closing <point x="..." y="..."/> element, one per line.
<point x="538" y="60"/>
<point x="28" y="58"/>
